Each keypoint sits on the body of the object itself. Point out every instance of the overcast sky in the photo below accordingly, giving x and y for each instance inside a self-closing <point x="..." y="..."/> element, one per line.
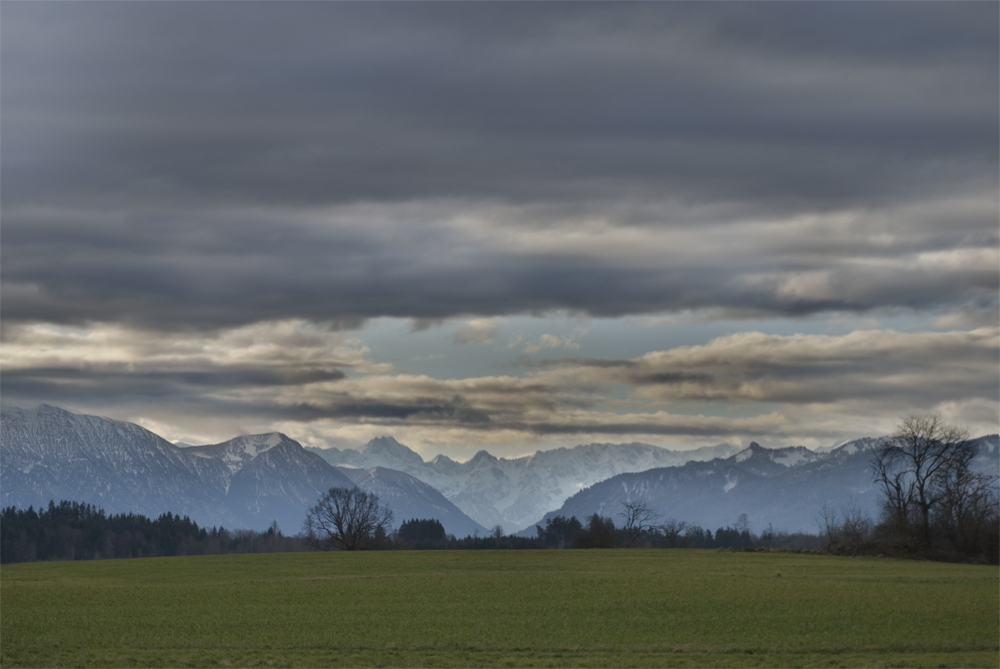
<point x="509" y="226"/>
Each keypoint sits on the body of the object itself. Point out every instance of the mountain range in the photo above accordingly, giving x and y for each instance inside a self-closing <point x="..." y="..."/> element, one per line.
<point x="247" y="482"/>
<point x="516" y="492"/>
<point x="48" y="453"/>
<point x="785" y="488"/>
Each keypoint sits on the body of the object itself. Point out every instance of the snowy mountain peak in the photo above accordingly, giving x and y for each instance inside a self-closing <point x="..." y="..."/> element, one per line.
<point x="750" y="451"/>
<point x="252" y="445"/>
<point x="41" y="410"/>
<point x="864" y="444"/>
<point x="769" y="461"/>
<point x="483" y="457"/>
<point x="387" y="451"/>
<point x="237" y="453"/>
<point x="794" y="456"/>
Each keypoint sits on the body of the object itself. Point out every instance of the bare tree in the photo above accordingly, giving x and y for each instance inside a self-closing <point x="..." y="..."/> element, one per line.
<point x="828" y="523"/>
<point x="857" y="525"/>
<point x="639" y="518"/>
<point x="968" y="507"/>
<point x="347" y="519"/>
<point x="914" y="469"/>
<point x="672" y="532"/>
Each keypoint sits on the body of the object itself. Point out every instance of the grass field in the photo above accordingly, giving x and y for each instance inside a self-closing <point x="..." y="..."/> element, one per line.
<point x="619" y="608"/>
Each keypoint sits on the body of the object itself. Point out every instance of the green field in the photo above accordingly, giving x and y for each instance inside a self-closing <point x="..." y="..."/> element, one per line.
<point x="618" y="608"/>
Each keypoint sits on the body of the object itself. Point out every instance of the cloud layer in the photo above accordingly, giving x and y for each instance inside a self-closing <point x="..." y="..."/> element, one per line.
<point x="339" y="162"/>
<point x="802" y="387"/>
<point x="204" y="204"/>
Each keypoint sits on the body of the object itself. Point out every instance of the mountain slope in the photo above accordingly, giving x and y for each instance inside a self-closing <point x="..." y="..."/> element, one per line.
<point x="270" y="476"/>
<point x="48" y="453"/>
<point x="781" y="487"/>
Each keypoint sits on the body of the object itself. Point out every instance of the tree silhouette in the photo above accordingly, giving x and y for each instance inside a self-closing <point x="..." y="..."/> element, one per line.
<point x="929" y="488"/>
<point x="347" y="519"/>
<point x="638" y="520"/>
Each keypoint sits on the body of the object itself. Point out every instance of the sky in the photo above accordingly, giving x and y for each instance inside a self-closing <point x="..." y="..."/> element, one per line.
<point x="502" y="226"/>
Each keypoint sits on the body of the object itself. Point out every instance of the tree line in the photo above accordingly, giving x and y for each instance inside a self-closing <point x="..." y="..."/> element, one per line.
<point x="78" y="531"/>
<point x="352" y="519"/>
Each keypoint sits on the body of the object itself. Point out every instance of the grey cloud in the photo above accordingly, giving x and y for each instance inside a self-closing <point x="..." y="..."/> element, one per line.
<point x="862" y="374"/>
<point x="233" y="271"/>
<point x="182" y="165"/>
<point x="198" y="390"/>
<point x="717" y="429"/>
<point x="675" y="378"/>
<point x="127" y="381"/>
<point x="922" y="368"/>
<point x="420" y="413"/>
<point x="325" y="103"/>
<point x="321" y="103"/>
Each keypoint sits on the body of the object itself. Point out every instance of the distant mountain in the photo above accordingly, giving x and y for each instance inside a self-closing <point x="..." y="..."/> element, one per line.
<point x="270" y="476"/>
<point x="517" y="491"/>
<point x="411" y="498"/>
<point x="247" y="482"/>
<point x="785" y="488"/>
<point x="51" y="454"/>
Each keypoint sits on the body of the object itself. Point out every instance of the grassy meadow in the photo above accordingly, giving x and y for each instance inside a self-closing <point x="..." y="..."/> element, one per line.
<point x="621" y="608"/>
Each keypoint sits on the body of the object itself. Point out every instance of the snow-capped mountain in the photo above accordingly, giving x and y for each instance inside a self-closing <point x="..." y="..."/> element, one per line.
<point x="247" y="482"/>
<point x="270" y="476"/>
<point x="51" y="454"/>
<point x="513" y="492"/>
<point x="785" y="488"/>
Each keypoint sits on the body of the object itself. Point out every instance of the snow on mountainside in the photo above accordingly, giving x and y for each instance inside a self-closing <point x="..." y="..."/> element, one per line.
<point x="516" y="491"/>
<point x="48" y="453"/>
<point x="757" y="481"/>
<point x="271" y="476"/>
<point x="51" y="454"/>
<point x="768" y="461"/>
<point x="239" y="452"/>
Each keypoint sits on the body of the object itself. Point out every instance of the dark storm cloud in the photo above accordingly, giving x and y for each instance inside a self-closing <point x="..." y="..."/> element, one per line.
<point x="188" y="164"/>
<point x="224" y="271"/>
<point x="323" y="103"/>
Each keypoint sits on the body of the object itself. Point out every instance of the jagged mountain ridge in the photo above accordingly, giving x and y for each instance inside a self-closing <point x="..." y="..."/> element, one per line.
<point x="512" y="492"/>
<point x="51" y="454"/>
<point x="770" y="461"/>
<point x="784" y="488"/>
